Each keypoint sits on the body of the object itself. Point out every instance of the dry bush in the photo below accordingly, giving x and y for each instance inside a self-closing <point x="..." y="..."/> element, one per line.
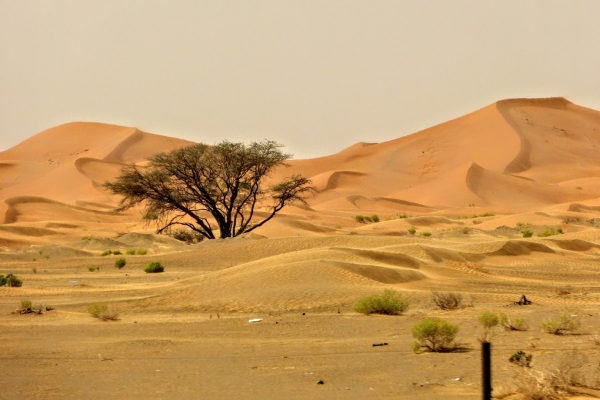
<point x="390" y="302"/>
<point x="448" y="300"/>
<point x="567" y="322"/>
<point x="518" y="324"/>
<point x="103" y="312"/>
<point x="563" y="290"/>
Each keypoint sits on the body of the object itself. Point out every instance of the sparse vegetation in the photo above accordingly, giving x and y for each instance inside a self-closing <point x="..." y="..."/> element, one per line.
<point x="434" y="334"/>
<point x="154" y="267"/>
<point x="120" y="263"/>
<point x="412" y="231"/>
<point x="549" y="232"/>
<point x="425" y="233"/>
<point x="566" y="322"/>
<point x="521" y="358"/>
<point x="527" y="233"/>
<point x="102" y="311"/>
<point x="390" y="302"/>
<point x="186" y="235"/>
<point x="448" y="300"/>
<point x="518" y="324"/>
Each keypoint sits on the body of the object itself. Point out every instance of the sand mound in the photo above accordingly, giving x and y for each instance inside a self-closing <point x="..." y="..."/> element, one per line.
<point x="27" y="231"/>
<point x="432" y="221"/>
<point x="335" y="179"/>
<point x="575" y="244"/>
<point x="521" y="247"/>
<point x="439" y="254"/>
<point x="394" y="259"/>
<point x="583" y="208"/>
<point x="135" y="239"/>
<point x="381" y="274"/>
<point x="99" y="244"/>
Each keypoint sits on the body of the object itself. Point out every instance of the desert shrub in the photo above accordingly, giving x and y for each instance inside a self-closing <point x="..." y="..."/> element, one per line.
<point x="117" y="252"/>
<point x="25" y="304"/>
<point x="521" y="358"/>
<point x="390" y="302"/>
<point x="563" y="290"/>
<point x="186" y="235"/>
<point x="434" y="334"/>
<point x="486" y="214"/>
<point x="559" y="230"/>
<point x="402" y="216"/>
<point x="106" y="253"/>
<point x="447" y="301"/>
<point x="579" y="188"/>
<point x="412" y="231"/>
<point x="154" y="267"/>
<point x="92" y="269"/>
<point x="360" y="218"/>
<point x="521" y="224"/>
<point x="102" y="311"/>
<point x="425" y="233"/>
<point x="34" y="270"/>
<point x="13" y="281"/>
<point x="141" y="252"/>
<point x="518" y="324"/>
<point x="527" y="233"/>
<point x="368" y="219"/>
<point x="2" y="280"/>
<point x="120" y="263"/>
<point x="375" y="218"/>
<point x="566" y="322"/>
<point x="547" y="232"/>
<point x="130" y="252"/>
<point x="488" y="320"/>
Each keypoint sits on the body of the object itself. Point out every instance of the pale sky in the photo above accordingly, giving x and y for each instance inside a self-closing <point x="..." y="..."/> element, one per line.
<point x="316" y="76"/>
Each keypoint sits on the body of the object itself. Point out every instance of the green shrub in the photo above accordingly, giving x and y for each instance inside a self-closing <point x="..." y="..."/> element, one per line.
<point x="521" y="358"/>
<point x="488" y="320"/>
<point x="141" y="252"/>
<point x="375" y="218"/>
<point x="579" y="188"/>
<point x="447" y="301"/>
<point x="25" y="304"/>
<point x="34" y="270"/>
<point x="3" y="280"/>
<point x="425" y="233"/>
<point x="548" y="232"/>
<point x="434" y="334"/>
<point x="390" y="302"/>
<point x="92" y="269"/>
<point x="527" y="233"/>
<point x="120" y="263"/>
<point x="130" y="252"/>
<point x="368" y="219"/>
<point x="106" y="253"/>
<point x="486" y="214"/>
<point x="402" y="216"/>
<point x="13" y="281"/>
<point x="412" y="231"/>
<point x="509" y="325"/>
<point x="559" y="230"/>
<point x="567" y="322"/>
<point x="117" y="252"/>
<point x="154" y="267"/>
<point x="102" y="311"/>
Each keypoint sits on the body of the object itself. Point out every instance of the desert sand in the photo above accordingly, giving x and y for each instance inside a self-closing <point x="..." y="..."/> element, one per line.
<point x="473" y="183"/>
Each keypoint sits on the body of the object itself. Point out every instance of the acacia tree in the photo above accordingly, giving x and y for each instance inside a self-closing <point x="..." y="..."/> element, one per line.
<point x="184" y="186"/>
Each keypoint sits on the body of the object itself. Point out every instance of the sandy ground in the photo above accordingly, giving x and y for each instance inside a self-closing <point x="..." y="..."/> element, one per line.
<point x="469" y="188"/>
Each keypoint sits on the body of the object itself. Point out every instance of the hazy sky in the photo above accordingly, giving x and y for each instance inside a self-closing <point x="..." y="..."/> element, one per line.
<point x="317" y="76"/>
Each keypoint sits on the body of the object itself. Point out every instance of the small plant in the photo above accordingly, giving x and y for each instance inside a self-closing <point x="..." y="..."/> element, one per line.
<point x="130" y="252"/>
<point x="106" y="253"/>
<point x="579" y="188"/>
<point x="117" y="252"/>
<point x="447" y="301"/>
<point x="518" y="324"/>
<point x="120" y="263"/>
<point x="412" y="231"/>
<point x="425" y="233"/>
<point x="34" y="270"/>
<point x="521" y="224"/>
<point x="488" y="320"/>
<point x="102" y="311"/>
<point x="92" y="269"/>
<point x="13" y="281"/>
<point x="390" y="302"/>
<point x="567" y="322"/>
<point x="375" y="218"/>
<point x="521" y="359"/>
<point x="548" y="232"/>
<point x="368" y="219"/>
<point x="486" y="214"/>
<point x="527" y="233"/>
<point x="559" y="230"/>
<point x="154" y="267"/>
<point x="25" y="304"/>
<point x="434" y="334"/>
<point x="141" y="252"/>
<point x="402" y="216"/>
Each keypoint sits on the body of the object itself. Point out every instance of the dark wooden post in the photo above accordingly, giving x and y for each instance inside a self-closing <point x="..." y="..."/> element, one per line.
<point x="486" y="370"/>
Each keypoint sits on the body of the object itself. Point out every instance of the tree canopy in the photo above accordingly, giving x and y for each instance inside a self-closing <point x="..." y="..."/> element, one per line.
<point x="226" y="181"/>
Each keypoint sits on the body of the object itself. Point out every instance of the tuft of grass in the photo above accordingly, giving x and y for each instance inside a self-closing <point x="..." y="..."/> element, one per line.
<point x="566" y="322"/>
<point x="337" y="227"/>
<point x="141" y="252"/>
<point x="92" y="269"/>
<point x="130" y="252"/>
<point x="106" y="253"/>
<point x="579" y="188"/>
<point x="411" y="230"/>
<point x="402" y="216"/>
<point x="34" y="270"/>
<point x="435" y="335"/>
<point x="425" y="233"/>
<point x="103" y="312"/>
<point x="154" y="267"/>
<point x="549" y="232"/>
<point x="375" y="218"/>
<point x="447" y="301"/>
<point x="527" y="233"/>
<point x="486" y="214"/>
<point x="518" y="324"/>
<point x="117" y="252"/>
<point x="390" y="302"/>
<point x="120" y="263"/>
